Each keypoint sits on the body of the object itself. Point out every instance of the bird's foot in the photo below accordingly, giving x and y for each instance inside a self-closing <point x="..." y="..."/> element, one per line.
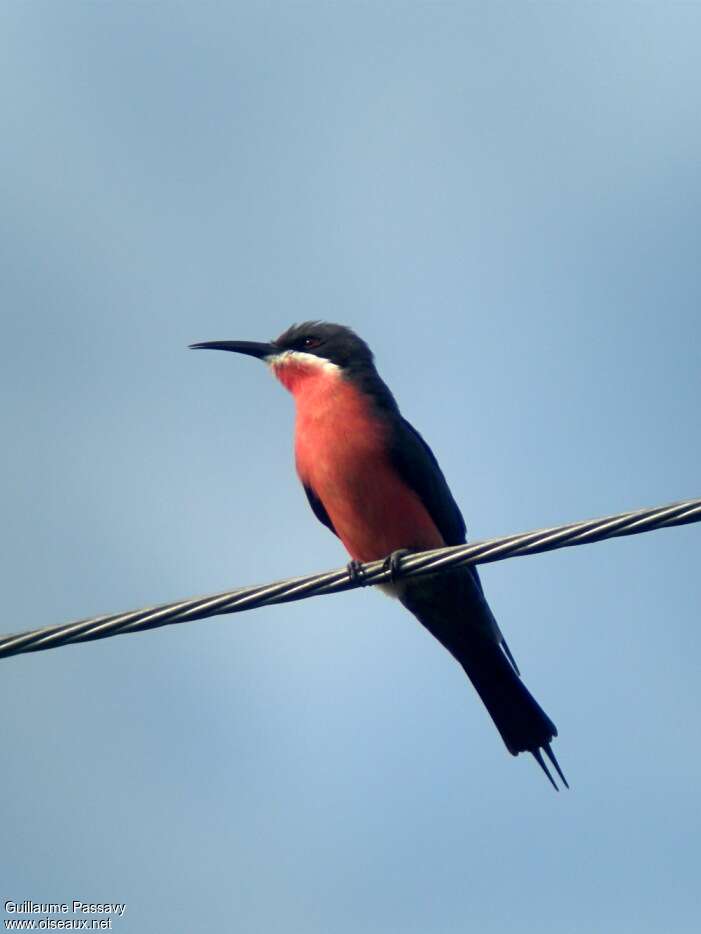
<point x="392" y="563"/>
<point x="356" y="572"/>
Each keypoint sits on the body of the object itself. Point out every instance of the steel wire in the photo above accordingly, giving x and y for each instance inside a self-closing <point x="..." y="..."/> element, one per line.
<point x="374" y="572"/>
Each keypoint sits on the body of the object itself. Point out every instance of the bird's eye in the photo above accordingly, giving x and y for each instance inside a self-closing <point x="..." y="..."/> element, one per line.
<point x="309" y="343"/>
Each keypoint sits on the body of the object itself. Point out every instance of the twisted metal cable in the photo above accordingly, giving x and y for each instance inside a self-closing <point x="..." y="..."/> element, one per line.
<point x="374" y="572"/>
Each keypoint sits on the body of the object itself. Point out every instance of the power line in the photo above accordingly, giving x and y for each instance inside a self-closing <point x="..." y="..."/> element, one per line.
<point x="375" y="572"/>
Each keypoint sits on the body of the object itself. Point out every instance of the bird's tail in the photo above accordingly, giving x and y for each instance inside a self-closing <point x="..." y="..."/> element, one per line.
<point x="523" y="724"/>
<point x="453" y="609"/>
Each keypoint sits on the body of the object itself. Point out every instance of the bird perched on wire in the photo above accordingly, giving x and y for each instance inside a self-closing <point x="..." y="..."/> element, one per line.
<point x="374" y="482"/>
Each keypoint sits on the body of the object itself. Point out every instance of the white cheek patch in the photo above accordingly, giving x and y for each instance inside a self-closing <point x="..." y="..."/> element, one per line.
<point x="299" y="358"/>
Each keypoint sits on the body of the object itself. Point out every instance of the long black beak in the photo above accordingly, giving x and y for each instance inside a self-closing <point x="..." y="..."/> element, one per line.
<point x="250" y="348"/>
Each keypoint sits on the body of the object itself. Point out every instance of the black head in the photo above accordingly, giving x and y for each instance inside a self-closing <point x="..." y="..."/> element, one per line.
<point x="333" y="342"/>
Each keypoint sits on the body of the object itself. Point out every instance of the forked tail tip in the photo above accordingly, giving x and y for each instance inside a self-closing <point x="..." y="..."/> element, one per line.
<point x="538" y="756"/>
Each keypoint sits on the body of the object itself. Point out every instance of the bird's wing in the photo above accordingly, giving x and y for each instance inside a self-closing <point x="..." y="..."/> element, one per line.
<point x="318" y="508"/>
<point x="416" y="463"/>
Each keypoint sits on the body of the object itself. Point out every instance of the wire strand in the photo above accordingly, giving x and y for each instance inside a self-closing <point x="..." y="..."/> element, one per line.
<point x="374" y="572"/>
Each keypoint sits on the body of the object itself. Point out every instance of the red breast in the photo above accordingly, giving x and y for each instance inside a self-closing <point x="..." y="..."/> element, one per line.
<point x="341" y="452"/>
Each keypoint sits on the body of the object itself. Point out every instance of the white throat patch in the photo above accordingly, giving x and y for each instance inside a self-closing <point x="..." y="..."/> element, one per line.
<point x="290" y="357"/>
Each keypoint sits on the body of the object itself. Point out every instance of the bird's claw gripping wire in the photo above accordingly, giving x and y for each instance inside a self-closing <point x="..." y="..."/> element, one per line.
<point x="356" y="572"/>
<point x="393" y="562"/>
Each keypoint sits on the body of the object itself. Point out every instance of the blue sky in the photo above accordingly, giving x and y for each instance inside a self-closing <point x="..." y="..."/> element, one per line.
<point x="503" y="200"/>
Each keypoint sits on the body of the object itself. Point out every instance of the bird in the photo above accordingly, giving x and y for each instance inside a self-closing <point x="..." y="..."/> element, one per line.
<point x="373" y="481"/>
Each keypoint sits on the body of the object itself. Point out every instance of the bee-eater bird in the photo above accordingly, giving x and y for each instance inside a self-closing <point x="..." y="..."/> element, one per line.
<point x="373" y="481"/>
